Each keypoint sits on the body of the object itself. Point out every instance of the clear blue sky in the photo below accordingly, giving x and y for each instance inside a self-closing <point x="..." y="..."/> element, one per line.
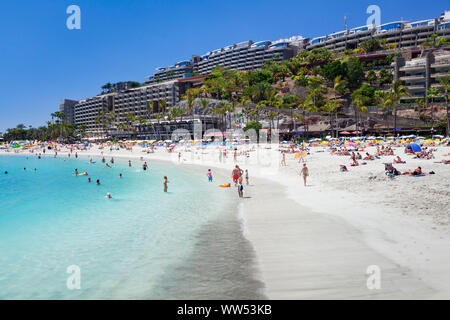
<point x="42" y="62"/>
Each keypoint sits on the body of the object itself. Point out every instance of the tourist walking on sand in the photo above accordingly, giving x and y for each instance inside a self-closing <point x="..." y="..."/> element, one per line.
<point x="305" y="173"/>
<point x="283" y="160"/>
<point x="246" y="176"/>
<point x="165" y="182"/>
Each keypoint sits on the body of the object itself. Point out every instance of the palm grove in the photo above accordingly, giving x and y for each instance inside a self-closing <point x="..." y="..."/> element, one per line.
<point x="316" y="81"/>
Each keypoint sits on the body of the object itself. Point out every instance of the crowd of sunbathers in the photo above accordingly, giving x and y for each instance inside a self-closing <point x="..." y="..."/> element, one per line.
<point x="424" y="154"/>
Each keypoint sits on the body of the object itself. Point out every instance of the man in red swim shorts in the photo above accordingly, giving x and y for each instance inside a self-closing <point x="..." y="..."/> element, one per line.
<point x="237" y="172"/>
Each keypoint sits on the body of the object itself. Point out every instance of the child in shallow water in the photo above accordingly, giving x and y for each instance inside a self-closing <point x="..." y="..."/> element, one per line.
<point x="165" y="182"/>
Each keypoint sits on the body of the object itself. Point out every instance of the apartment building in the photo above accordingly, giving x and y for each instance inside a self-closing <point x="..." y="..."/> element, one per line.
<point x="422" y="73"/>
<point x="67" y="107"/>
<point x="132" y="101"/>
<point x="180" y="70"/>
<point x="135" y="100"/>
<point x="87" y="110"/>
<point x="398" y="34"/>
<point x="247" y="55"/>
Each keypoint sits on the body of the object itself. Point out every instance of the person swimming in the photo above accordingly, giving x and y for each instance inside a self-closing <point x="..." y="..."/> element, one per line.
<point x="98" y="182"/>
<point x="108" y="195"/>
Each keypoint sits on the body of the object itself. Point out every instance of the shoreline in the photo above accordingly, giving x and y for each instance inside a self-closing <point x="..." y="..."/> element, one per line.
<point x="320" y="265"/>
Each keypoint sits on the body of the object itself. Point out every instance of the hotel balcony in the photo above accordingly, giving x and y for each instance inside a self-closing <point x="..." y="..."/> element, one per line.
<point x="439" y="75"/>
<point x="413" y="78"/>
<point x="441" y="64"/>
<point x="412" y="68"/>
<point x="415" y="87"/>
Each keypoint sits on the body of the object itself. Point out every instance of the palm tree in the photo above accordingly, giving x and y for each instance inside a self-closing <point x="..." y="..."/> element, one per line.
<point x="131" y="122"/>
<point x="432" y="94"/>
<point x="329" y="108"/>
<point x="386" y="99"/>
<point x="360" y="101"/>
<point x="190" y="104"/>
<point x="339" y="87"/>
<point x="297" y="116"/>
<point x="399" y="91"/>
<point x="148" y="109"/>
<point x="163" y="105"/>
<point x="307" y="106"/>
<point x="205" y="103"/>
<point x="99" y="119"/>
<point x="445" y="82"/>
<point x="271" y="115"/>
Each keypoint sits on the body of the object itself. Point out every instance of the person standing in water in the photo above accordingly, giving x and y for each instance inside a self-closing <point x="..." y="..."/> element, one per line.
<point x="165" y="182"/>
<point x="283" y="160"/>
<point x="209" y="175"/>
<point x="305" y="173"/>
<point x="76" y="172"/>
<point x="129" y="163"/>
<point x="236" y="174"/>
<point x="240" y="188"/>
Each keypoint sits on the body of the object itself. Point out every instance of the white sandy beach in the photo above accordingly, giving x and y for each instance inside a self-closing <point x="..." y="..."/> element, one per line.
<point x="317" y="242"/>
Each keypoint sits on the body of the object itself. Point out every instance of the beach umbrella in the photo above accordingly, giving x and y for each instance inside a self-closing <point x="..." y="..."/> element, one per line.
<point x="344" y="132"/>
<point x="414" y="147"/>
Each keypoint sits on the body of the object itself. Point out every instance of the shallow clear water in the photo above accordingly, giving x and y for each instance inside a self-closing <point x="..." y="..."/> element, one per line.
<point x="141" y="244"/>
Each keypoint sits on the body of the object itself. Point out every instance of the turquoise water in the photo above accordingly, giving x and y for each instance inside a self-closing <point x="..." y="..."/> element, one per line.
<point x="127" y="247"/>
